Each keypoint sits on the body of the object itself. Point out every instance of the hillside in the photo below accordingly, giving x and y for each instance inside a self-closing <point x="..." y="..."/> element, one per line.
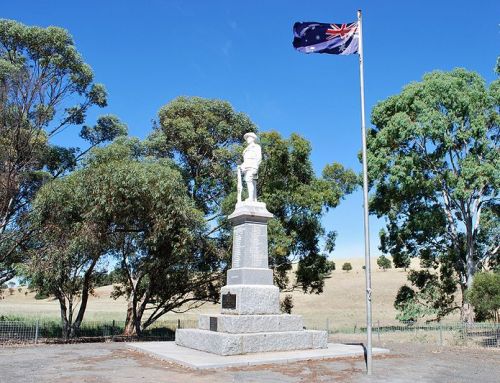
<point x="342" y="302"/>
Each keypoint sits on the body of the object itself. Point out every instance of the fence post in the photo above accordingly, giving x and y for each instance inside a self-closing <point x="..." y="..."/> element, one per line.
<point x="36" y="330"/>
<point x="327" y="325"/>
<point x="378" y="330"/>
<point x="440" y="334"/>
<point x="178" y="323"/>
<point x="113" y="331"/>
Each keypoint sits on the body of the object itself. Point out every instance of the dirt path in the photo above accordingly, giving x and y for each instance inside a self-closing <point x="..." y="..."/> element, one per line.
<point x="115" y="363"/>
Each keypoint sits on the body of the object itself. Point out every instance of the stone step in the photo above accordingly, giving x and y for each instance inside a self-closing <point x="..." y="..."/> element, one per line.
<point x="236" y="324"/>
<point x="235" y="344"/>
<point x="251" y="299"/>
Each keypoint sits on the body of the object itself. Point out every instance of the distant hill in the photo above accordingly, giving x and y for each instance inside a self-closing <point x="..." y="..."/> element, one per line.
<point x="342" y="302"/>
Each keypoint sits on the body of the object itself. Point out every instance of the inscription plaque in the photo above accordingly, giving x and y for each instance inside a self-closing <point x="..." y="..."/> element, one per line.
<point x="213" y="323"/>
<point x="238" y="247"/>
<point x="229" y="301"/>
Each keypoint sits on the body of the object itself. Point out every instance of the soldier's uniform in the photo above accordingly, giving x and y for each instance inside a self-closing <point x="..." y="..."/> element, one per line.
<point x="252" y="156"/>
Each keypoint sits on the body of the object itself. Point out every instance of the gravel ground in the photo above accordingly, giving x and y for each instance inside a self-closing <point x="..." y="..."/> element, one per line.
<point x="115" y="363"/>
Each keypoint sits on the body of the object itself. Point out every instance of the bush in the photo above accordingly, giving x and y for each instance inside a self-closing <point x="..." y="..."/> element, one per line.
<point x="484" y="296"/>
<point x="41" y="295"/>
<point x="384" y="263"/>
<point x="347" y="267"/>
<point x="286" y="305"/>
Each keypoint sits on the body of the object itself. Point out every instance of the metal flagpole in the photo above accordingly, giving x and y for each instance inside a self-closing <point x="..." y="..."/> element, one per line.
<point x="365" y="206"/>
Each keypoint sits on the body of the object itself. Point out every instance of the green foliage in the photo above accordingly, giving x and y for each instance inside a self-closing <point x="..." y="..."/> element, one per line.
<point x="155" y="232"/>
<point x="107" y="128"/>
<point x="104" y="278"/>
<point x="435" y="165"/>
<point x="204" y="138"/>
<point x="120" y="204"/>
<point x="347" y="266"/>
<point x="431" y="294"/>
<point x="485" y="296"/>
<point x="384" y="263"/>
<point x="41" y="295"/>
<point x="286" y="305"/>
<point x="410" y="309"/>
<point x="298" y="199"/>
<point x="45" y="87"/>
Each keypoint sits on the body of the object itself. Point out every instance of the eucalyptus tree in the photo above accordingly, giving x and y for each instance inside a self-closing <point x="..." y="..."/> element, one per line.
<point x="45" y="87"/>
<point x="155" y="233"/>
<point x="65" y="247"/>
<point x="203" y="137"/>
<point x="120" y="204"/>
<point x="299" y="199"/>
<point x="434" y="163"/>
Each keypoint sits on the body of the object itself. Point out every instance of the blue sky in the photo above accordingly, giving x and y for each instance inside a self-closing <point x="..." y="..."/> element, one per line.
<point x="149" y="52"/>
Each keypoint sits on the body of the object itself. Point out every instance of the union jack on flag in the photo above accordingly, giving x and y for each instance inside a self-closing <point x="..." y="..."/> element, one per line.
<point x="336" y="39"/>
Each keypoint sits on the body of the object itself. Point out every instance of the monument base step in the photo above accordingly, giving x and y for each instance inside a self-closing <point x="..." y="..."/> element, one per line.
<point x="188" y="357"/>
<point x="251" y="299"/>
<point x="239" y="324"/>
<point x="235" y="344"/>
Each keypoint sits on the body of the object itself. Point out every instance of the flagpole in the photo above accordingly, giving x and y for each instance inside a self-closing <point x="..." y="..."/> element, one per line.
<point x="365" y="206"/>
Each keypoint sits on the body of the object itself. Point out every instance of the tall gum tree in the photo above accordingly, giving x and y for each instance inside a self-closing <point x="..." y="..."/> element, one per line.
<point x="124" y="205"/>
<point x="154" y="232"/>
<point x="434" y="164"/>
<point x="45" y="87"/>
<point x="204" y="138"/>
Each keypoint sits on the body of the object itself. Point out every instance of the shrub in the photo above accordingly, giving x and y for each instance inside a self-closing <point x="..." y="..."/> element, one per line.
<point x="286" y="305"/>
<point x="347" y="267"/>
<point x="484" y="296"/>
<point x="384" y="263"/>
<point x="41" y="295"/>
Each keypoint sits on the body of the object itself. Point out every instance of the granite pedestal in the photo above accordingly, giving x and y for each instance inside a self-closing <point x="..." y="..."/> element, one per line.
<point x="250" y="319"/>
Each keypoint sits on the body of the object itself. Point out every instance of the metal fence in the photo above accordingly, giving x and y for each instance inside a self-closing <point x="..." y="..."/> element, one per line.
<point x="453" y="334"/>
<point x="17" y="331"/>
<point x="34" y="331"/>
<point x="450" y="334"/>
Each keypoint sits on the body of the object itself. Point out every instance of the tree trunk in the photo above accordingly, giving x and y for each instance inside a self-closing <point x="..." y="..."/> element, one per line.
<point x="470" y="269"/>
<point x="135" y="309"/>
<point x="85" y="297"/>
<point x="64" y="319"/>
<point x="130" y="325"/>
<point x="134" y="317"/>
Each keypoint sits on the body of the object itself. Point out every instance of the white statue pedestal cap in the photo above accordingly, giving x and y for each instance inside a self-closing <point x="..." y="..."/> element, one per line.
<point x="250" y="319"/>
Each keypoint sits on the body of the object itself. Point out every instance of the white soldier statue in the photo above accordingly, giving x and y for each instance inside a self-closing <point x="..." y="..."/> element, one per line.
<point x="252" y="156"/>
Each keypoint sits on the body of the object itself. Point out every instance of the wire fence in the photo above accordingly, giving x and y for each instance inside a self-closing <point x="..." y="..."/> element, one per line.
<point x="49" y="331"/>
<point x="453" y="334"/>
<point x="16" y="331"/>
<point x="477" y="334"/>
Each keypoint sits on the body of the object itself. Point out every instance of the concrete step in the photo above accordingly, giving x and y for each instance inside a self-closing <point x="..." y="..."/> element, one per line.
<point x="235" y="344"/>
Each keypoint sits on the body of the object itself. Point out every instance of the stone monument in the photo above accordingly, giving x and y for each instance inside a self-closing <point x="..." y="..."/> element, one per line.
<point x="250" y="318"/>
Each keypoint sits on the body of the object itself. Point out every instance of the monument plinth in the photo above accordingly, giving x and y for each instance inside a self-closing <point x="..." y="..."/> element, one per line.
<point x="250" y="280"/>
<point x="250" y="319"/>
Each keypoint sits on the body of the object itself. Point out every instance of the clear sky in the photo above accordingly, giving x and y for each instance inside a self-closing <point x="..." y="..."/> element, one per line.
<point x="149" y="52"/>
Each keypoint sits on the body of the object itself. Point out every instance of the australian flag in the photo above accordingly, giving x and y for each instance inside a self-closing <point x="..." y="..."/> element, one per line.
<point x="335" y="39"/>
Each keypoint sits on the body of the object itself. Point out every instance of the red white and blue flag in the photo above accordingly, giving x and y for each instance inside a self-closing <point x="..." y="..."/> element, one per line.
<point x="336" y="39"/>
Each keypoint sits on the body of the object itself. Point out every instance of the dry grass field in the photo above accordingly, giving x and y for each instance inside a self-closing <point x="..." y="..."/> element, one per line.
<point x="342" y="302"/>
